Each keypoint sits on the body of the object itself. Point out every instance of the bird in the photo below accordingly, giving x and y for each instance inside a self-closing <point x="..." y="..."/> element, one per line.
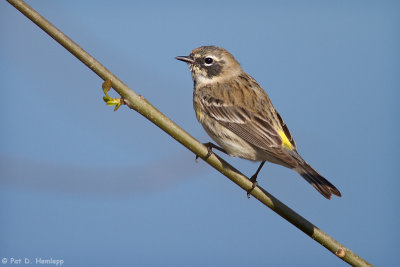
<point x="238" y="115"/>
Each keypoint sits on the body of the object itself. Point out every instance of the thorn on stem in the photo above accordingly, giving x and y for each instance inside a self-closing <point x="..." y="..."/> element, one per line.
<point x="340" y="253"/>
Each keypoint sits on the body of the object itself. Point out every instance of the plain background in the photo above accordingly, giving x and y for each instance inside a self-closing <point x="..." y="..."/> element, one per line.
<point x="94" y="187"/>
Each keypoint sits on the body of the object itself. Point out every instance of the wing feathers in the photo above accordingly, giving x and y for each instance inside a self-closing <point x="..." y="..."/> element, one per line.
<point x="255" y="130"/>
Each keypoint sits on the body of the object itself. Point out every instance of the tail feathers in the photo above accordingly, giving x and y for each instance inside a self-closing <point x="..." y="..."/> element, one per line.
<point x="317" y="181"/>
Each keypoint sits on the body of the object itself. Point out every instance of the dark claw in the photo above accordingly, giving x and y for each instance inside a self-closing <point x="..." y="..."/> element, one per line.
<point x="209" y="151"/>
<point x="210" y="146"/>
<point x="253" y="179"/>
<point x="208" y="154"/>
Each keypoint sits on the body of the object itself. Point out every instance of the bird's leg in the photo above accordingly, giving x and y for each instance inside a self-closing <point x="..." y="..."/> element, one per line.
<point x="253" y="179"/>
<point x="210" y="146"/>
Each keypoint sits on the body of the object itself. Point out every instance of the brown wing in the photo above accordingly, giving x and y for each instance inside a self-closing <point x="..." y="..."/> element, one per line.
<point x="253" y="129"/>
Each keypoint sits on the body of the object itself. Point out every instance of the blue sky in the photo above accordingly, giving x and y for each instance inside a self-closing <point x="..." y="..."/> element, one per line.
<point x="94" y="187"/>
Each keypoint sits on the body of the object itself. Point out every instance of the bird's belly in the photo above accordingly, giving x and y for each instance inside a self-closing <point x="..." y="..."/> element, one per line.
<point x="233" y="144"/>
<point x="236" y="146"/>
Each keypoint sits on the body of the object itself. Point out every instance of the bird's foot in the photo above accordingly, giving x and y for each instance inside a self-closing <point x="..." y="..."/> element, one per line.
<point x="253" y="179"/>
<point x="210" y="146"/>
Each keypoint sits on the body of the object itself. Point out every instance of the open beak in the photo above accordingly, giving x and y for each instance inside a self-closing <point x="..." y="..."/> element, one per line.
<point x="185" y="59"/>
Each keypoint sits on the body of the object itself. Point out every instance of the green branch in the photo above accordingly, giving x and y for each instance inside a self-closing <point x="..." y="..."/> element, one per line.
<point x="138" y="103"/>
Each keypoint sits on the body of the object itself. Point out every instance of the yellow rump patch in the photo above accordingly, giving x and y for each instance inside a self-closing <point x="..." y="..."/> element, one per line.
<point x="285" y="141"/>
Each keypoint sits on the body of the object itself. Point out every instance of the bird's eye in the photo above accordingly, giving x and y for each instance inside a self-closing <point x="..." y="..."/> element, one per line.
<point x="208" y="61"/>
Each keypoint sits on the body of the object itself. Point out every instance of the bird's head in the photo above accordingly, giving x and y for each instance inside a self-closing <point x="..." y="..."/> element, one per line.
<point x="210" y="64"/>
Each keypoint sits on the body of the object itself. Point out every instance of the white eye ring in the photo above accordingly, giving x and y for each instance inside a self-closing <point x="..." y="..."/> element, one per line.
<point x="208" y="61"/>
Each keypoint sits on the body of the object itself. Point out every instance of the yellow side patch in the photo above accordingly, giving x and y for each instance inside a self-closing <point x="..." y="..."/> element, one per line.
<point x="199" y="115"/>
<point x="285" y="141"/>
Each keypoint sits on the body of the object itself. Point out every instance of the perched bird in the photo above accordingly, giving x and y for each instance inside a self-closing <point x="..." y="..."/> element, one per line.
<point x="236" y="113"/>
